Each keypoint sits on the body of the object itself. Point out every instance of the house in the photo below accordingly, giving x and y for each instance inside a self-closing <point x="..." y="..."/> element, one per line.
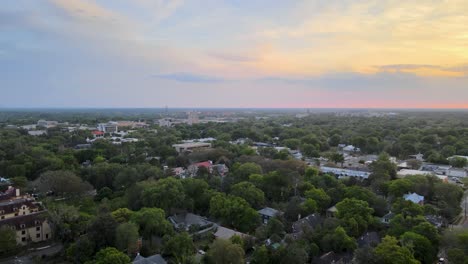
<point x="179" y="172"/>
<point x="369" y="239"/>
<point x="98" y="133"/>
<point x="33" y="227"/>
<point x="193" y="168"/>
<point x="309" y="222"/>
<point x="189" y="221"/>
<point x="351" y="149"/>
<point x="418" y="156"/>
<point x="221" y="169"/>
<point x="267" y="213"/>
<point x="190" y="147"/>
<point x="226" y="233"/>
<point x="414" y="198"/>
<point x="387" y="218"/>
<point x="155" y="259"/>
<point x="331" y="212"/>
<point x="437" y="221"/>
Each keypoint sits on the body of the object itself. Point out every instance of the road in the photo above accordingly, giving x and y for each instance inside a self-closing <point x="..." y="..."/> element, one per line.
<point x="27" y="258"/>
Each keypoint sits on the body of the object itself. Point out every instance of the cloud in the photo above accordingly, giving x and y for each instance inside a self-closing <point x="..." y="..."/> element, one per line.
<point x="232" y="56"/>
<point x="188" y="77"/>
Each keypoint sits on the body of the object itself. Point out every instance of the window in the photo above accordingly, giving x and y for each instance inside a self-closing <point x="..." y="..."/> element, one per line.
<point x="47" y="236"/>
<point x="23" y="226"/>
<point x="16" y="214"/>
<point x="38" y="235"/>
<point x="38" y="228"/>
<point x="3" y="217"/>
<point x="24" y="213"/>
<point x="23" y="239"/>
<point x="23" y="232"/>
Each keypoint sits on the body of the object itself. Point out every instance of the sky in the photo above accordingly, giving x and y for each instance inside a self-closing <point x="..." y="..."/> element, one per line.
<point x="234" y="53"/>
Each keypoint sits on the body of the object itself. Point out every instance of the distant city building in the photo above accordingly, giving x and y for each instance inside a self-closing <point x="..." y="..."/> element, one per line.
<point x="193" y="118"/>
<point x="340" y="173"/>
<point x="37" y="132"/>
<point x="180" y="148"/>
<point x="47" y="124"/>
<point x="109" y="127"/>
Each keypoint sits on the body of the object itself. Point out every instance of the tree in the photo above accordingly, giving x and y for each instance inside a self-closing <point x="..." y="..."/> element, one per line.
<point x="320" y="197"/>
<point x="19" y="182"/>
<point x="198" y="195"/>
<point x="295" y="253"/>
<point x="261" y="256"/>
<point x="389" y="252"/>
<point x="166" y="193"/>
<point x="62" y="183"/>
<point x="383" y="170"/>
<point x="458" y="162"/>
<point x="7" y="239"/>
<point x="152" y="222"/>
<point x="180" y="247"/>
<point x="122" y="215"/>
<point x="103" y="229"/>
<point x="225" y="252"/>
<point x="338" y="241"/>
<point x="111" y="255"/>
<point x="246" y="190"/>
<point x="81" y="251"/>
<point x="337" y="158"/>
<point x="399" y="187"/>
<point x="126" y="237"/>
<point x="457" y="256"/>
<point x="243" y="172"/>
<point x="423" y="250"/>
<point x="356" y="215"/>
<point x="234" y="211"/>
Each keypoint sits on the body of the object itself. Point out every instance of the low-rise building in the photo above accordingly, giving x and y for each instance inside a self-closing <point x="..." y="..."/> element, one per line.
<point x="47" y="124"/>
<point x="190" y="147"/>
<point x="155" y="259"/>
<point x="341" y="173"/>
<point x="267" y="213"/>
<point x="109" y="127"/>
<point x="25" y="216"/>
<point x="308" y="223"/>
<point x="414" y="198"/>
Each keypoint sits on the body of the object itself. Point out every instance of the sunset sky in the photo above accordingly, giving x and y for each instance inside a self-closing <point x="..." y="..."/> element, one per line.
<point x="252" y="53"/>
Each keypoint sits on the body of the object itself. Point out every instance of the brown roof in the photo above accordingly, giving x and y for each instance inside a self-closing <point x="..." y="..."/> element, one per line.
<point x="9" y="206"/>
<point x="28" y="221"/>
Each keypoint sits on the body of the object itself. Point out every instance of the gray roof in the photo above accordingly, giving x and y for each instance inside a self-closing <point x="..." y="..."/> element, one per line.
<point x="268" y="211"/>
<point x="155" y="259"/>
<point x="188" y="219"/>
<point x="311" y="221"/>
<point x="226" y="233"/>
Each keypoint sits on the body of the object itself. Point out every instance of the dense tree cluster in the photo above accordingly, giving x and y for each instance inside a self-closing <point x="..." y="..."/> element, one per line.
<point x="109" y="201"/>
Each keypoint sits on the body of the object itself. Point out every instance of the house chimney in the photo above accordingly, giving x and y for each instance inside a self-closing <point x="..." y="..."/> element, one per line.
<point x="17" y="192"/>
<point x="299" y="217"/>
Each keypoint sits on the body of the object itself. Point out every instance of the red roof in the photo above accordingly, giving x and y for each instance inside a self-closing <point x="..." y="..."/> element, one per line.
<point x="206" y="164"/>
<point x="97" y="132"/>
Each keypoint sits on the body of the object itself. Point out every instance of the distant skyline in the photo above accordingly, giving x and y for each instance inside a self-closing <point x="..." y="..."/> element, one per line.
<point x="234" y="54"/>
